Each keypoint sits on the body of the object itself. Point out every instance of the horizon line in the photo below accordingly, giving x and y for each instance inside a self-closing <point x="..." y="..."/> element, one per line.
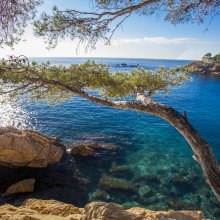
<point x="144" y="58"/>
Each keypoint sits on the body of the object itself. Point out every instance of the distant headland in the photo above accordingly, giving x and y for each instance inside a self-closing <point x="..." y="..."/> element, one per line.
<point x="208" y="65"/>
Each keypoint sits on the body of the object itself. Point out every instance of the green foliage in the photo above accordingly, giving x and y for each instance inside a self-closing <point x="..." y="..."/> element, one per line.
<point x="208" y="55"/>
<point x="56" y="83"/>
<point x="217" y="57"/>
<point x="107" y="15"/>
<point x="14" y="16"/>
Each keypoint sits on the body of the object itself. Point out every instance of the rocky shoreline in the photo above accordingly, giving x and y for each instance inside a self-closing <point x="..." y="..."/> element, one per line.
<point x="42" y="169"/>
<point x="33" y="209"/>
<point x="202" y="67"/>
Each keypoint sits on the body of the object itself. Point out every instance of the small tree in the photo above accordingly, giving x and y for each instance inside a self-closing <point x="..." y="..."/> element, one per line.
<point x="217" y="57"/>
<point x="208" y="55"/>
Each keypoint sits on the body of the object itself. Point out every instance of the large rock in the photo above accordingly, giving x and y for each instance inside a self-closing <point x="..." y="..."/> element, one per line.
<point x="23" y="186"/>
<point x="107" y="211"/>
<point x="53" y="210"/>
<point x="34" y="209"/>
<point x="166" y="215"/>
<point x="28" y="148"/>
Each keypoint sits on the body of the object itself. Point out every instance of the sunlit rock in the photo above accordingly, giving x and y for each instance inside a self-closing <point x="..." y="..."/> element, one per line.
<point x="54" y="210"/>
<point x="166" y="215"/>
<point x="28" y="148"/>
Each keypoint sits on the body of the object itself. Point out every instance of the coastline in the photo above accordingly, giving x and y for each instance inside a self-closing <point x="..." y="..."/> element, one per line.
<point x="202" y="67"/>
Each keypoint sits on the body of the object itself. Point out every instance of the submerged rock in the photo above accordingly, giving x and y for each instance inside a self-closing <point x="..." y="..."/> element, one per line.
<point x="82" y="150"/>
<point x="109" y="182"/>
<point x="28" y="148"/>
<point x="149" y="179"/>
<point x="100" y="195"/>
<point x="23" y="186"/>
<point x="121" y="171"/>
<point x="182" y="183"/>
<point x="145" y="191"/>
<point x="54" y="210"/>
<point x="89" y="148"/>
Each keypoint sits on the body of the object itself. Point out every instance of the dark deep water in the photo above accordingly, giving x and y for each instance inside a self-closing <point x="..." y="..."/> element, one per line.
<point x="152" y="156"/>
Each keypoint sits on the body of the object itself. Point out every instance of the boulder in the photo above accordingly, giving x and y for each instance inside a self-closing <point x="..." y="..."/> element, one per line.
<point x="83" y="150"/>
<point x="166" y="215"/>
<point x="145" y="190"/>
<point x="108" y="182"/>
<point x="53" y="210"/>
<point x="23" y="186"/>
<point x="89" y="148"/>
<point x="28" y="148"/>
<point x="107" y="211"/>
<point x="121" y="171"/>
<point x="99" y="195"/>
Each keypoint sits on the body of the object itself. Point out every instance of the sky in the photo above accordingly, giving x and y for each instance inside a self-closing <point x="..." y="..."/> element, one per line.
<point x="139" y="37"/>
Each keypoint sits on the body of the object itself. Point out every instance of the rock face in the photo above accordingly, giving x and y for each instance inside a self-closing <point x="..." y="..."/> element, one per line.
<point x="23" y="186"/>
<point x="52" y="207"/>
<point x="89" y="148"/>
<point x="34" y="209"/>
<point x="28" y="148"/>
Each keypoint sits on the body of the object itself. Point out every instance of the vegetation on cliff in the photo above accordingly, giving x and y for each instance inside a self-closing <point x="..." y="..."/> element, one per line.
<point x="208" y="65"/>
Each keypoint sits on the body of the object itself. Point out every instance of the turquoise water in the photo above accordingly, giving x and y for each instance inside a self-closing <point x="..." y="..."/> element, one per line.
<point x="156" y="160"/>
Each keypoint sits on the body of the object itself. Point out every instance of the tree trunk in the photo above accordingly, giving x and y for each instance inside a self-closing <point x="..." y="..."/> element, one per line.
<point x="202" y="151"/>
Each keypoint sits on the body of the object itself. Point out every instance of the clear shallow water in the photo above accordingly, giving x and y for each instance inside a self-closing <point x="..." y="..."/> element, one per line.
<point x="156" y="156"/>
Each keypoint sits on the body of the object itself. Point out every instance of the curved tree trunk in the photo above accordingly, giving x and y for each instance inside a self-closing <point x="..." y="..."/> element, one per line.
<point x="202" y="151"/>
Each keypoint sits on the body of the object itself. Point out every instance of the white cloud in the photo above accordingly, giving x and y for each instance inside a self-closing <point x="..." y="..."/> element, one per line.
<point x="147" y="47"/>
<point x="162" y="41"/>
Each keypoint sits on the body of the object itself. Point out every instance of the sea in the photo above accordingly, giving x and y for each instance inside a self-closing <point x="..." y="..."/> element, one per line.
<point x="153" y="162"/>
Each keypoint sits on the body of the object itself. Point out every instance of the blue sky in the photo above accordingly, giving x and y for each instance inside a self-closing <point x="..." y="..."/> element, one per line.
<point x="140" y="37"/>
